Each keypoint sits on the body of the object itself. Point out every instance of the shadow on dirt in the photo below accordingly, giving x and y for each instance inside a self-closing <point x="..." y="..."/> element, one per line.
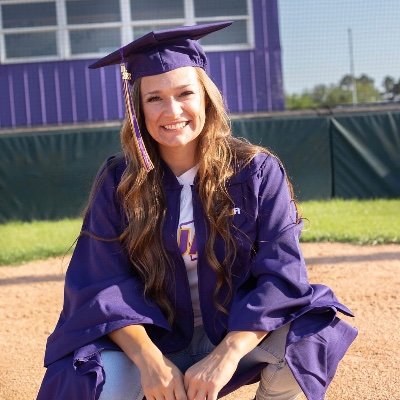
<point x="395" y="256"/>
<point x="31" y="279"/>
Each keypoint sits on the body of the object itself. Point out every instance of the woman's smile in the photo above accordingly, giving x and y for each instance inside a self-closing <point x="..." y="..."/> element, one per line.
<point x="176" y="126"/>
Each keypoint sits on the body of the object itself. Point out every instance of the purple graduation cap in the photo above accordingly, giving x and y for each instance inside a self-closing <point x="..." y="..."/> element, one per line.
<point x="155" y="53"/>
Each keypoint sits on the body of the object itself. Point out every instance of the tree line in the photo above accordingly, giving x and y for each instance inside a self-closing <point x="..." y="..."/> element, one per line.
<point x="329" y="96"/>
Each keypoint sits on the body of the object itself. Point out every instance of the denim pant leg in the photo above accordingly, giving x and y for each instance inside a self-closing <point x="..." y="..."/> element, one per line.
<point x="122" y="376"/>
<point x="277" y="381"/>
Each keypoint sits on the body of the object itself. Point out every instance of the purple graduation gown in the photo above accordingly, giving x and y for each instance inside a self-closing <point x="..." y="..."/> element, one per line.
<point x="102" y="292"/>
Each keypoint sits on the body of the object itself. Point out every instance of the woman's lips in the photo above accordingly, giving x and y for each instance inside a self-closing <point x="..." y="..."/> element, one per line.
<point x="175" y="126"/>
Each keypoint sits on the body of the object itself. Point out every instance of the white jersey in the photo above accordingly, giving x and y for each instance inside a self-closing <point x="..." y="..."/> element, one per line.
<point x="187" y="239"/>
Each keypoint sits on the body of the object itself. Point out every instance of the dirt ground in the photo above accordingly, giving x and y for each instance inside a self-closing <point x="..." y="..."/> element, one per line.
<point x="365" y="278"/>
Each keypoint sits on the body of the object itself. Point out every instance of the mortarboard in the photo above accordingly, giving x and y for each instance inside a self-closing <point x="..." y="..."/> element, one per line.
<point x="155" y="53"/>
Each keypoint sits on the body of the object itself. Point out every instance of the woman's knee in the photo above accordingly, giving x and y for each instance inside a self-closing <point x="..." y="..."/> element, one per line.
<point x="122" y="377"/>
<point x="278" y="383"/>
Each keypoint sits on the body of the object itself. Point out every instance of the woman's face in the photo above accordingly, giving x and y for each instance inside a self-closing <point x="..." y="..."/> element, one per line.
<point x="174" y="108"/>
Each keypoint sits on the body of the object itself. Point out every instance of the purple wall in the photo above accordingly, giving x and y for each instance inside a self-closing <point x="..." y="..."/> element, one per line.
<point x="66" y="92"/>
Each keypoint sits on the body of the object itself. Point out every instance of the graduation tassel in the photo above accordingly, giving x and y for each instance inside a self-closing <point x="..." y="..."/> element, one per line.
<point x="130" y="109"/>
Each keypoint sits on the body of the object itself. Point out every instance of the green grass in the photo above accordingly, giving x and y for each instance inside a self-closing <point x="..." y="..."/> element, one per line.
<point x="352" y="221"/>
<point x="26" y="241"/>
<point x="361" y="222"/>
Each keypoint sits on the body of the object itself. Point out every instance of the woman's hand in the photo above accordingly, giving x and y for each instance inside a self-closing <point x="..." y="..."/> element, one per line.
<point x="205" y="379"/>
<point x="160" y="378"/>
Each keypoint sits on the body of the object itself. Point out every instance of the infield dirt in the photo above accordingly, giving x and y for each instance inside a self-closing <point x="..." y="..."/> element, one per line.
<point x="365" y="278"/>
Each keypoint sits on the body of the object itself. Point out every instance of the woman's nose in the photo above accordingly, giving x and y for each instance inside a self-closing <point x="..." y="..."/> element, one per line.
<point x="172" y="107"/>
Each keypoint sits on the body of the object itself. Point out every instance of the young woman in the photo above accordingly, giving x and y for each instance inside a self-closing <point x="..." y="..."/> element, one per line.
<point x="187" y="280"/>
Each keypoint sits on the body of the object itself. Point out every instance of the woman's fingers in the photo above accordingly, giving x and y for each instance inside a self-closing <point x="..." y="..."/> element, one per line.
<point x="191" y="392"/>
<point x="209" y="393"/>
<point x="186" y="382"/>
<point x="180" y="392"/>
<point x="166" y="393"/>
<point x="212" y="395"/>
<point x="163" y="381"/>
<point x="201" y="395"/>
<point x="198" y="390"/>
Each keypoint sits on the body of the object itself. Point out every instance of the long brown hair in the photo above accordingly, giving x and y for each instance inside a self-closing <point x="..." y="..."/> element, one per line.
<point x="143" y="199"/>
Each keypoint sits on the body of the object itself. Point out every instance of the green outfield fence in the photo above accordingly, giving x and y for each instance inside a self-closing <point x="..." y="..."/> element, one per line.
<point x="47" y="174"/>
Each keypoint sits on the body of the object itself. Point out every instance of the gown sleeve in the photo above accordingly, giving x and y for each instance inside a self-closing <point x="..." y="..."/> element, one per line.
<point x="281" y="292"/>
<point x="102" y="292"/>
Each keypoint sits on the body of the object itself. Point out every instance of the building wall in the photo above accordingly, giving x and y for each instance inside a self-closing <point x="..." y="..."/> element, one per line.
<point x="66" y="92"/>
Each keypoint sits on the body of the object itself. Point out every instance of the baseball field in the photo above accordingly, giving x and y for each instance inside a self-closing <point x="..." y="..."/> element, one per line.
<point x="353" y="248"/>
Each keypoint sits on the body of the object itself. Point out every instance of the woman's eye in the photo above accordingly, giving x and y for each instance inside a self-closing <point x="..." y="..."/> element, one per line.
<point x="186" y="93"/>
<point x="152" y="99"/>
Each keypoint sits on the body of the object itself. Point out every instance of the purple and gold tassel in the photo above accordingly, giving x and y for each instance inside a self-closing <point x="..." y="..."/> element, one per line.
<point x="144" y="155"/>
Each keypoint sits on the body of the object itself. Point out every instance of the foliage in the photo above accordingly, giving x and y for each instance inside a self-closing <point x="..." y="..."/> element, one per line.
<point x="328" y="96"/>
<point x="392" y="89"/>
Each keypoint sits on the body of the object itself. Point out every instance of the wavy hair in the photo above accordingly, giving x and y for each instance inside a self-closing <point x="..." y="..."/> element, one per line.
<point x="220" y="156"/>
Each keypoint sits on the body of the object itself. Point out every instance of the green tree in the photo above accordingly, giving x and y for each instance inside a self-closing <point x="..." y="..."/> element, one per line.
<point x="391" y="87"/>
<point x="346" y="83"/>
<point x="365" y="80"/>
<point x="388" y="83"/>
<point x="366" y="91"/>
<point x="299" y="101"/>
<point x="336" y="94"/>
<point x="320" y="94"/>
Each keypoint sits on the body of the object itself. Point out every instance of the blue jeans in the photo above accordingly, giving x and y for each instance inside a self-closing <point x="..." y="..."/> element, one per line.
<point x="122" y="377"/>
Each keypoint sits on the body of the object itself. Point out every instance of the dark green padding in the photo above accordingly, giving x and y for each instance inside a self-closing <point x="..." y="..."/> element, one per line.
<point x="48" y="175"/>
<point x="366" y="154"/>
<point x="302" y="144"/>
